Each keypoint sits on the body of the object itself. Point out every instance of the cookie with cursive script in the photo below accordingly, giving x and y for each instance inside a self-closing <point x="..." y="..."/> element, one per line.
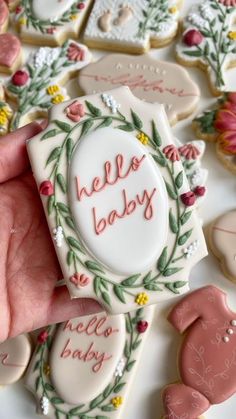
<point x="222" y="239"/>
<point x="132" y="27"/>
<point x="149" y="79"/>
<point x="14" y="358"/>
<point x="84" y="367"/>
<point x="117" y="200"/>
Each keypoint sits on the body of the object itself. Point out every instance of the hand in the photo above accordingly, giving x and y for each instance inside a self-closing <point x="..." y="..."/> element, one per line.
<point x="29" y="269"/>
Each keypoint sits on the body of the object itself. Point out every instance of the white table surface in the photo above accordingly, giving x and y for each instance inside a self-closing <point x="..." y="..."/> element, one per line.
<point x="158" y="362"/>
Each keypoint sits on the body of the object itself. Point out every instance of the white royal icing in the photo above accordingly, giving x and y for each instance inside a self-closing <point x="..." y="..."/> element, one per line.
<point x="52" y="10"/>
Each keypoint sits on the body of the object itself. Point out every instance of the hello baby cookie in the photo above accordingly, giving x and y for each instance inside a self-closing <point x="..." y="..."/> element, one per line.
<point x="222" y="239"/>
<point x="207" y="357"/>
<point x="117" y="200"/>
<point x="39" y="84"/>
<point x="218" y="125"/>
<point x="44" y="22"/>
<point x="83" y="368"/>
<point x="149" y="79"/>
<point x="14" y="358"/>
<point x="209" y="40"/>
<point x="134" y="26"/>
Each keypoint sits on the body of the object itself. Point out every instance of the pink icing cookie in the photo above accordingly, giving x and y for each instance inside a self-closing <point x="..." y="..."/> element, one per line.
<point x="4" y="16"/>
<point x="207" y="358"/>
<point x="10" y="52"/>
<point x="14" y="358"/>
<point x="223" y="243"/>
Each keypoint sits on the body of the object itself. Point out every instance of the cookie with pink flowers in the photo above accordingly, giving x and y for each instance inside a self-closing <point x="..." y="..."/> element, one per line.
<point x="207" y="356"/>
<point x="44" y="22"/>
<point x="218" y="125"/>
<point x="4" y="16"/>
<point x="209" y="40"/>
<point x="10" y="53"/>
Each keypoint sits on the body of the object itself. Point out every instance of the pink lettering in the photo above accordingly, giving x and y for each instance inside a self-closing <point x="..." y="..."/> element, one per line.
<point x="96" y="326"/>
<point x="4" y="360"/>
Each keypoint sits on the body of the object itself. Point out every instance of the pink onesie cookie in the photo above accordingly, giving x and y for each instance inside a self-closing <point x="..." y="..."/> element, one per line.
<point x="4" y="16"/>
<point x="207" y="358"/>
<point x="10" y="53"/>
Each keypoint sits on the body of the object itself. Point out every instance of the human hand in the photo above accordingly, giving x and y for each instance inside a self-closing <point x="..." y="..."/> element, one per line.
<point x="29" y="269"/>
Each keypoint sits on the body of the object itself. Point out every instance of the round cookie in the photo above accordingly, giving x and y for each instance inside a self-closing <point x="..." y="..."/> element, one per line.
<point x="222" y="241"/>
<point x="14" y="358"/>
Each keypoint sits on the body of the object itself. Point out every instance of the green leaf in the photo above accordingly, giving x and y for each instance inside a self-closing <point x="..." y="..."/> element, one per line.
<point x="107" y="390"/>
<point x="119" y="387"/>
<point x="96" y="401"/>
<point x="69" y="148"/>
<point x="193" y="53"/>
<point x="92" y="109"/>
<point x="173" y="286"/>
<point x="61" y="182"/>
<point x="49" y="387"/>
<point x="96" y="285"/>
<point x="155" y="135"/>
<point x="105" y="123"/>
<point x="140" y="312"/>
<point x="128" y="324"/>
<point x="170" y="191"/>
<point x="104" y="284"/>
<point x="136" y="120"/>
<point x="180" y="284"/>
<point x="147" y="278"/>
<point x="75" y="243"/>
<point x="56" y="400"/>
<point x="161" y="160"/>
<point x="70" y="222"/>
<point x="106" y="298"/>
<point x="70" y="257"/>
<point x="185" y="217"/>
<point x="161" y="264"/>
<point x="173" y="223"/>
<point x="13" y="89"/>
<point x="130" y="280"/>
<point x="108" y="408"/>
<point x="63" y="125"/>
<point x="127" y="127"/>
<point x="127" y="351"/>
<point x="53" y="155"/>
<point x="119" y="293"/>
<point x="76" y="409"/>
<point x="182" y="239"/>
<point x="37" y="365"/>
<point x="63" y="207"/>
<point x="136" y="344"/>
<point x="152" y="287"/>
<point x="171" y="271"/>
<point x="94" y="266"/>
<point x="86" y="127"/>
<point x="37" y="383"/>
<point x="179" y="180"/>
<point x="130" y="365"/>
<point x="50" y="204"/>
<point x="50" y="133"/>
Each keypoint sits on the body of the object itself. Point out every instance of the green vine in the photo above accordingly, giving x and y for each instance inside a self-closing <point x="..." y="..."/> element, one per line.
<point x="44" y="387"/>
<point x="155" y="14"/>
<point x="76" y="255"/>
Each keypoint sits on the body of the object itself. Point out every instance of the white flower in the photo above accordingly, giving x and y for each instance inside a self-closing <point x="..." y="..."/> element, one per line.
<point x="191" y="249"/>
<point x="110" y="102"/>
<point x="206" y="11"/>
<point x="45" y="55"/>
<point x="196" y="20"/>
<point x="196" y="178"/>
<point x="120" y="368"/>
<point x="44" y="404"/>
<point x="58" y="236"/>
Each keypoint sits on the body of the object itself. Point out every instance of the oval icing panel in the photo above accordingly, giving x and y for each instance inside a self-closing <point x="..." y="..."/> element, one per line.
<point x="118" y="201"/>
<point x="84" y="356"/>
<point x="50" y="10"/>
<point x="14" y="358"/>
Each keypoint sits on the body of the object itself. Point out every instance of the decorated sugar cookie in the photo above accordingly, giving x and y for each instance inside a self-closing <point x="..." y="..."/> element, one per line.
<point x="38" y="85"/>
<point x="12" y="4"/>
<point x="209" y="40"/>
<point x="223" y="242"/>
<point x="14" y="358"/>
<point x="133" y="26"/>
<point x="148" y="79"/>
<point x="218" y="125"/>
<point x="207" y="365"/>
<point x="4" y="16"/>
<point x="84" y="367"/>
<point x="6" y="113"/>
<point x="10" y="53"/>
<point x="117" y="200"/>
<point x="44" y="22"/>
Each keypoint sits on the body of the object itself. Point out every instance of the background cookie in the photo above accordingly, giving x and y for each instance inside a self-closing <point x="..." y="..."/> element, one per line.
<point x="38" y="85"/>
<point x="148" y="79"/>
<point x="51" y="22"/>
<point x="10" y="53"/>
<point x="222" y="239"/>
<point x="133" y="26"/>
<point x="6" y="114"/>
<point x="4" y="16"/>
<point x="209" y="40"/>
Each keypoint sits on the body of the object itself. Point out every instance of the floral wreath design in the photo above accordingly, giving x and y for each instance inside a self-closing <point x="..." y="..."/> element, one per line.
<point x="110" y="399"/>
<point x="157" y="16"/>
<point x="24" y="16"/>
<point x="84" y="119"/>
